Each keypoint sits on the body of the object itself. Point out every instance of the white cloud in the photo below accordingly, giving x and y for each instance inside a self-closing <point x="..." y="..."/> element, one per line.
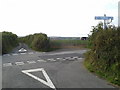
<point x="53" y="17"/>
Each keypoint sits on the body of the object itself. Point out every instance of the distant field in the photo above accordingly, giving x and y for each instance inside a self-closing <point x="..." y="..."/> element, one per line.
<point x="68" y="43"/>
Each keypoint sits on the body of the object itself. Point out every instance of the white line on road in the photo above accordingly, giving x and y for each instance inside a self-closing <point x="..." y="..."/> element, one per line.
<point x="67" y="57"/>
<point x="76" y="57"/>
<point x="7" y="64"/>
<point x="41" y="60"/>
<point x="51" y="59"/>
<point x="22" y="53"/>
<point x="59" y="58"/>
<point x="48" y="82"/>
<point x="31" y="62"/>
<point x="14" y="54"/>
<point x="6" y="55"/>
<point x="19" y="63"/>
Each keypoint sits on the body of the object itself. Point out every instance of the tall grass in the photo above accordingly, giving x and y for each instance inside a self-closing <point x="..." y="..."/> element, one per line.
<point x="67" y="43"/>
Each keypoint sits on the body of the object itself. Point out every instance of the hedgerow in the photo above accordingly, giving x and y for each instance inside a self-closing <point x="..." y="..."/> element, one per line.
<point x="104" y="55"/>
<point x="38" y="41"/>
<point x="9" y="41"/>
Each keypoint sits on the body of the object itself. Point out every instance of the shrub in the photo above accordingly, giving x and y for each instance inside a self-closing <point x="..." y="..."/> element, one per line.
<point x="9" y="41"/>
<point x="104" y="57"/>
<point x="38" y="41"/>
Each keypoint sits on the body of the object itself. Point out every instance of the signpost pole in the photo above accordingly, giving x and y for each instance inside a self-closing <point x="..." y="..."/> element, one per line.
<point x="104" y="22"/>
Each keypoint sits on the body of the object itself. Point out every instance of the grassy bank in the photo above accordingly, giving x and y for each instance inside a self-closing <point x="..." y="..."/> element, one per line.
<point x="110" y="74"/>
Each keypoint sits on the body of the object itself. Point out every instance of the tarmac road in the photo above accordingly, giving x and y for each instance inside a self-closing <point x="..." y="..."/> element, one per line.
<point x="58" y="69"/>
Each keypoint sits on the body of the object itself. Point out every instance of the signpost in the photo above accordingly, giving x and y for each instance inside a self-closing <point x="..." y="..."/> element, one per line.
<point x="105" y="18"/>
<point x="119" y="14"/>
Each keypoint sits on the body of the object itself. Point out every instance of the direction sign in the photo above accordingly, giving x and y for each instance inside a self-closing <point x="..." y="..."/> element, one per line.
<point x="103" y="18"/>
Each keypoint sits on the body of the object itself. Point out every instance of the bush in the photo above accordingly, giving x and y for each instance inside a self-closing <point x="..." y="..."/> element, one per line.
<point x="104" y="57"/>
<point x="9" y="41"/>
<point x="38" y="41"/>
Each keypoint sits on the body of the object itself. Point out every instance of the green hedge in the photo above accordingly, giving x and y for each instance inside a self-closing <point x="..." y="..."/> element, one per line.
<point x="104" y="56"/>
<point x="9" y="41"/>
<point x="38" y="41"/>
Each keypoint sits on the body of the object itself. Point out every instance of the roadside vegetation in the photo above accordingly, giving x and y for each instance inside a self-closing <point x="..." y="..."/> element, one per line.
<point x="57" y="44"/>
<point x="9" y="41"/>
<point x="38" y="41"/>
<point x="41" y="42"/>
<point x="104" y="56"/>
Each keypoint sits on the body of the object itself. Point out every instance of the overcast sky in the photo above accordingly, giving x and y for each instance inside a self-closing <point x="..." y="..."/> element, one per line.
<point x="54" y="17"/>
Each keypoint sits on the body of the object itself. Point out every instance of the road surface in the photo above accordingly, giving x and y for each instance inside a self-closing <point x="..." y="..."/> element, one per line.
<point x="57" y="69"/>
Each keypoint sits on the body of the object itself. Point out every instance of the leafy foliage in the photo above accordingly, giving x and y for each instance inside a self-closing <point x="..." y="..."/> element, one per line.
<point x="9" y="41"/>
<point x="38" y="41"/>
<point x="104" y="56"/>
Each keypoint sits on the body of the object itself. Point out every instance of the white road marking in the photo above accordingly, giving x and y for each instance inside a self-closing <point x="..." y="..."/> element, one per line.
<point x="51" y="59"/>
<point x="7" y="64"/>
<point x="41" y="60"/>
<point x="19" y="63"/>
<point x="75" y="57"/>
<point x="14" y="54"/>
<point x="48" y="82"/>
<point x="6" y="55"/>
<point x="31" y="62"/>
<point x="22" y="50"/>
<point x="22" y="53"/>
<point x="67" y="57"/>
<point x="59" y="58"/>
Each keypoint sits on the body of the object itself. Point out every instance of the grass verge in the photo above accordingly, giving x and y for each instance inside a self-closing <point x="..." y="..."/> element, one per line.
<point x="111" y="74"/>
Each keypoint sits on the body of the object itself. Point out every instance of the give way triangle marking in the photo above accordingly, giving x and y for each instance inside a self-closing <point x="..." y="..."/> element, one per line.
<point x="48" y="82"/>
